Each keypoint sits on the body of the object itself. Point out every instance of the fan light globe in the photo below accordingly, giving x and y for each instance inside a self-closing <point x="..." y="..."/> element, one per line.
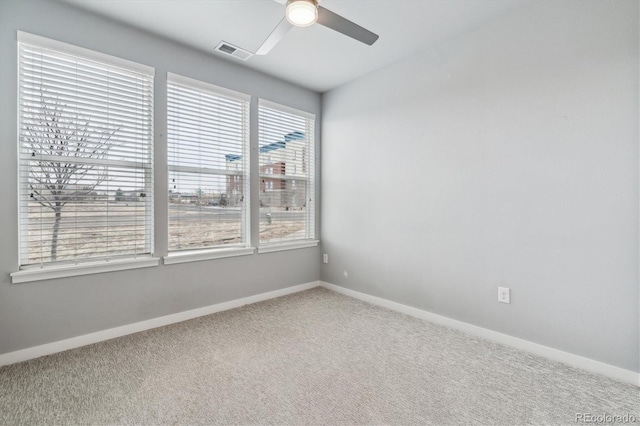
<point x="302" y="13"/>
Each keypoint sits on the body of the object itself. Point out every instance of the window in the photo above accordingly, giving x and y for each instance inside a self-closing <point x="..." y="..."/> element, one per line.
<point x="287" y="174"/>
<point x="208" y="139"/>
<point x="85" y="155"/>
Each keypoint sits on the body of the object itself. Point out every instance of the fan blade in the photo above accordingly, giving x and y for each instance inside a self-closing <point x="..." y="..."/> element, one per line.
<point x="345" y="26"/>
<point x="281" y="1"/>
<point x="276" y="35"/>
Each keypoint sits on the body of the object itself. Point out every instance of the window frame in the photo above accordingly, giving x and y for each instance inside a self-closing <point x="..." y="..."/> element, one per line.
<point x="219" y="251"/>
<point x="310" y="239"/>
<point x="109" y="262"/>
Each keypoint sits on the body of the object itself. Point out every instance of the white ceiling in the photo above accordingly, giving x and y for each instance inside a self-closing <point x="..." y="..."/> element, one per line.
<point x="315" y="57"/>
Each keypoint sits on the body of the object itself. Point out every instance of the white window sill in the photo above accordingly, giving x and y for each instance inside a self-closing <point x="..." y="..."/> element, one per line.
<point x="293" y="245"/>
<point x="63" y="271"/>
<point x="198" y="255"/>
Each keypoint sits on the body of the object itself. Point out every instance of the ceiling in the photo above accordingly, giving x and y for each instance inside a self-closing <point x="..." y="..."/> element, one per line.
<point x="315" y="57"/>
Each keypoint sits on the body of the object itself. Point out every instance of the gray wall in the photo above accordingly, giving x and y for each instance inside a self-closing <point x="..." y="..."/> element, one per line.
<point x="41" y="312"/>
<point x="507" y="156"/>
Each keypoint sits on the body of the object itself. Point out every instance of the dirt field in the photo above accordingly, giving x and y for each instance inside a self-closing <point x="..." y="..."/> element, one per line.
<point x="84" y="232"/>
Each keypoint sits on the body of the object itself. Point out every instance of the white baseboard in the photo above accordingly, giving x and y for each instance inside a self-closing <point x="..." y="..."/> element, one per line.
<point x="87" y="339"/>
<point x="535" y="348"/>
<point x="591" y="365"/>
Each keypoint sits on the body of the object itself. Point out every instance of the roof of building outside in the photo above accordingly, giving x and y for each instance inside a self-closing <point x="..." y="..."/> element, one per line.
<point x="293" y="136"/>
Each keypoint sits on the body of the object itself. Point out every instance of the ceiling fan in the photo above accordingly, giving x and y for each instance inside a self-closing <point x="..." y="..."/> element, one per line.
<point x="303" y="13"/>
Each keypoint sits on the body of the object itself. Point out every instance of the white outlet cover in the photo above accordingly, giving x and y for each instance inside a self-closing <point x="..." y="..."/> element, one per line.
<point x="504" y="295"/>
<point x="325" y="258"/>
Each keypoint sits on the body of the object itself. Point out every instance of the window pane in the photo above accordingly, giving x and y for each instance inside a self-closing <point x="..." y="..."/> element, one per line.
<point x="283" y="212"/>
<point x="205" y="210"/>
<point x="107" y="220"/>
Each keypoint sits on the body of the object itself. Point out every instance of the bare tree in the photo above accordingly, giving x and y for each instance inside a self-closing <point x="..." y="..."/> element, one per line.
<point x="62" y="145"/>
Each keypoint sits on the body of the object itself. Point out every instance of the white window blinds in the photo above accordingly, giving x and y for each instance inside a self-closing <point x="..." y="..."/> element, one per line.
<point x="208" y="143"/>
<point x="85" y="143"/>
<point x="287" y="173"/>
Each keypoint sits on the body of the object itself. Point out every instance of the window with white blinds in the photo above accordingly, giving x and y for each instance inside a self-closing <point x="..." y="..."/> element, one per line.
<point x="287" y="174"/>
<point x="85" y="154"/>
<point x="208" y="148"/>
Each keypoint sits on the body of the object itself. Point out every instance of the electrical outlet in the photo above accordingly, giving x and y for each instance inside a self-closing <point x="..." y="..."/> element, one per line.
<point x="504" y="295"/>
<point x="325" y="258"/>
<point x="346" y="274"/>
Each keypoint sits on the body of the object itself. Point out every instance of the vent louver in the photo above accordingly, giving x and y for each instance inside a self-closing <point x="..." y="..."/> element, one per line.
<point x="234" y="51"/>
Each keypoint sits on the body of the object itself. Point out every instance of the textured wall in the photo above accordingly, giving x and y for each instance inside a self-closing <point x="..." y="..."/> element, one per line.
<point x="507" y="156"/>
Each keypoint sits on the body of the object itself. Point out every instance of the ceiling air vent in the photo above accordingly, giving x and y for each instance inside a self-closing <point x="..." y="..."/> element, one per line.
<point x="235" y="51"/>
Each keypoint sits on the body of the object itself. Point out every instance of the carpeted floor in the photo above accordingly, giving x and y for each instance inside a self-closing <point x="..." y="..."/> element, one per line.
<point x="315" y="357"/>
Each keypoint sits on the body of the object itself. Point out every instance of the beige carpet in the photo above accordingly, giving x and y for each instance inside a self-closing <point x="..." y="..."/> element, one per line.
<point x="314" y="357"/>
